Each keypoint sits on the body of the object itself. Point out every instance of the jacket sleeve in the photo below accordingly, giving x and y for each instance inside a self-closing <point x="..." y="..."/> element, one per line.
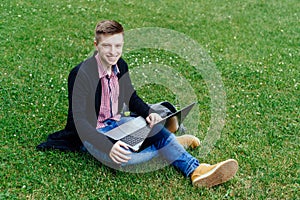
<point x="127" y="91"/>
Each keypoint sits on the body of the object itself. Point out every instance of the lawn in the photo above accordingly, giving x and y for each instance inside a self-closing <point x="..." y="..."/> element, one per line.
<point x="252" y="47"/>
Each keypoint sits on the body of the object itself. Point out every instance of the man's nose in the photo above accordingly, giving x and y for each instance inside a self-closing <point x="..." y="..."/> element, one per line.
<point x="113" y="49"/>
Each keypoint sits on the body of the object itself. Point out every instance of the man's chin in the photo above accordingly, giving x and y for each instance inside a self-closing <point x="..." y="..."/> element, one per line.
<point x="112" y="62"/>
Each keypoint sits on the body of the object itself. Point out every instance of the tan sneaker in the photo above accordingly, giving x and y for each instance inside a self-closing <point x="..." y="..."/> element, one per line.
<point x="188" y="141"/>
<point x="172" y="124"/>
<point x="210" y="175"/>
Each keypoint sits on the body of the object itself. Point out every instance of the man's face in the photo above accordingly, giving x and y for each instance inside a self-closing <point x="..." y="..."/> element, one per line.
<point x="110" y="48"/>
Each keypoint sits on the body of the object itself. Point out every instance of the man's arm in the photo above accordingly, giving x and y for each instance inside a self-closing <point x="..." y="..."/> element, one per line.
<point x="128" y="93"/>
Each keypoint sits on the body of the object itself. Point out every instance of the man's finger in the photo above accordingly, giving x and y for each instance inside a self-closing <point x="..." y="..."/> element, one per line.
<point x="120" y="158"/>
<point x="117" y="162"/>
<point x="122" y="155"/>
<point x="123" y="146"/>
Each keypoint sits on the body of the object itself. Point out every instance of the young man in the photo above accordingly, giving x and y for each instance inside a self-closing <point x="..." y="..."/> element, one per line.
<point x="98" y="89"/>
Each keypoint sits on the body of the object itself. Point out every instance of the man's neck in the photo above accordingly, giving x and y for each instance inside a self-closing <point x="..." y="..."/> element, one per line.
<point x="108" y="69"/>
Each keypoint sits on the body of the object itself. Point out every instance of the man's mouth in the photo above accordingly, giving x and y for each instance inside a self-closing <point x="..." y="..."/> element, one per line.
<point x="112" y="58"/>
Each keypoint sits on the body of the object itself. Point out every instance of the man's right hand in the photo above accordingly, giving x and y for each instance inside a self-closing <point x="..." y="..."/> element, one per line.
<point x="119" y="153"/>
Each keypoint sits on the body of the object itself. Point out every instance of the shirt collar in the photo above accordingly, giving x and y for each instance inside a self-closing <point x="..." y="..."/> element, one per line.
<point x="102" y="72"/>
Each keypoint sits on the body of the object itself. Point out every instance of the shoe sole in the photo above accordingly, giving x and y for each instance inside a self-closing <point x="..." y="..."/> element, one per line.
<point x="196" y="142"/>
<point x="220" y="174"/>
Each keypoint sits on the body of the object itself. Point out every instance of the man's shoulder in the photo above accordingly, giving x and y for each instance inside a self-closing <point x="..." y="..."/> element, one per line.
<point x="121" y="62"/>
<point x="122" y="65"/>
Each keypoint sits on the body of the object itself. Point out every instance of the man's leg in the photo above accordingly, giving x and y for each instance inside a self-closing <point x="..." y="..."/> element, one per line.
<point x="136" y="158"/>
<point x="164" y="144"/>
<point x="201" y="174"/>
<point x="171" y="151"/>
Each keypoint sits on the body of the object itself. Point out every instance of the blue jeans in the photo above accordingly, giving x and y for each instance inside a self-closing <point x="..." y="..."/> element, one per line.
<point x="162" y="144"/>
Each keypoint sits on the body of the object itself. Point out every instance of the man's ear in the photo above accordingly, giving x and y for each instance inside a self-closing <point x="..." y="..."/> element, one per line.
<point x="95" y="44"/>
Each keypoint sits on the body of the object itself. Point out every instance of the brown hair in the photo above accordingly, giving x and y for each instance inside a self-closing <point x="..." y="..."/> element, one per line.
<point x="107" y="27"/>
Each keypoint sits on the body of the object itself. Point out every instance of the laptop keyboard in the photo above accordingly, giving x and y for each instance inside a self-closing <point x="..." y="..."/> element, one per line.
<point x="136" y="137"/>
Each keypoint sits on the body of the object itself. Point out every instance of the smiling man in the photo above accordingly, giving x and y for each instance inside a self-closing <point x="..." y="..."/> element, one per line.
<point x="99" y="87"/>
<point x="109" y="49"/>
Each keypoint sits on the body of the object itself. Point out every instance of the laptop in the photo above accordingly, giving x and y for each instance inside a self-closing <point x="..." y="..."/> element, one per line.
<point x="134" y="132"/>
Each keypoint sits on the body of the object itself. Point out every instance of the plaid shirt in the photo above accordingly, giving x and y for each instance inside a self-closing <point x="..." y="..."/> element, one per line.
<point x="109" y="95"/>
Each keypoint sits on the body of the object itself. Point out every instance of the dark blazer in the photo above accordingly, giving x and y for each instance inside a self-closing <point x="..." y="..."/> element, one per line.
<point x="84" y="95"/>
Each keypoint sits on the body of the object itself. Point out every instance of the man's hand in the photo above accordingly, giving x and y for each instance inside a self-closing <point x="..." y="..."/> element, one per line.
<point x="119" y="152"/>
<point x="153" y="118"/>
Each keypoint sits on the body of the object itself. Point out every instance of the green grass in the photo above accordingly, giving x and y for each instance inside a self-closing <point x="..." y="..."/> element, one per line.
<point x="255" y="45"/>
